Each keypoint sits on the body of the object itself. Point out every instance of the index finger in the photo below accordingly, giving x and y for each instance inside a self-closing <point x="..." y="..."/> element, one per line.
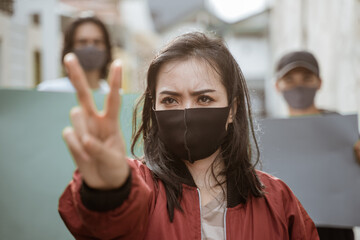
<point x="78" y="79"/>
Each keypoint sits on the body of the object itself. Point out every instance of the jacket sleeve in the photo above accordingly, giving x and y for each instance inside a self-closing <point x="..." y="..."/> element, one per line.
<point x="299" y="223"/>
<point x="289" y="209"/>
<point x="96" y="220"/>
<point x="302" y="227"/>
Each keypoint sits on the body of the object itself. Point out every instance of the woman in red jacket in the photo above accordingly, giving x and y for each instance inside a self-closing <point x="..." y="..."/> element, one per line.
<point x="197" y="179"/>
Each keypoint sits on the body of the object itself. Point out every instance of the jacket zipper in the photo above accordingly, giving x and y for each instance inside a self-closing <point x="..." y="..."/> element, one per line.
<point x="198" y="190"/>
<point x="225" y="223"/>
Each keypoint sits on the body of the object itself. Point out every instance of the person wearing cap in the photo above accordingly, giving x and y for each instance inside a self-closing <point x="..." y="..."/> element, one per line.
<point x="298" y="80"/>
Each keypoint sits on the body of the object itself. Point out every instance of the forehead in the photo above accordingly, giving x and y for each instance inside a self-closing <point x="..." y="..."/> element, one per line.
<point x="88" y="30"/>
<point x="299" y="71"/>
<point x="190" y="73"/>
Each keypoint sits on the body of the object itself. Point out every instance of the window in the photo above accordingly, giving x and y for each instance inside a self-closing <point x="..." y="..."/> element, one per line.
<point x="7" y="6"/>
<point x="37" y="67"/>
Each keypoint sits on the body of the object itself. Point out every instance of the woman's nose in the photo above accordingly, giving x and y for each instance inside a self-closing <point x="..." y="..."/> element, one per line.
<point x="188" y="104"/>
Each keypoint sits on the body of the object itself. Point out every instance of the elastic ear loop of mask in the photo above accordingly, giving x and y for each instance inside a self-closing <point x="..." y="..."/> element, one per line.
<point x="152" y="100"/>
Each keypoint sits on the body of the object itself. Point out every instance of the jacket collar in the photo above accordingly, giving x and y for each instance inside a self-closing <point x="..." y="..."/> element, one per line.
<point x="233" y="197"/>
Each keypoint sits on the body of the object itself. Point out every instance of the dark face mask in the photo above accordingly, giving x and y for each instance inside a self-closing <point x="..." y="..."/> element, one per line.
<point x="192" y="134"/>
<point x="90" y="57"/>
<point x="300" y="97"/>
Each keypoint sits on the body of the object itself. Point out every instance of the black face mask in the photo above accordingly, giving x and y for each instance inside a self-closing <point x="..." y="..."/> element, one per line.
<point x="194" y="133"/>
<point x="300" y="97"/>
<point x="90" y="57"/>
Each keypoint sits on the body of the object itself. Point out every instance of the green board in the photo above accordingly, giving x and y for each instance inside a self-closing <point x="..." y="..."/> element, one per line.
<point x="35" y="165"/>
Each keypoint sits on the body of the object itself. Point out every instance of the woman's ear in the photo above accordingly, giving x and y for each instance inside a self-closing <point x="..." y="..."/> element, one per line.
<point x="232" y="112"/>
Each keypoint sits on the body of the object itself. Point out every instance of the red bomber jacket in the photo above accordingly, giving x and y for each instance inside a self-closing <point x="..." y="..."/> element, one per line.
<point x="143" y="214"/>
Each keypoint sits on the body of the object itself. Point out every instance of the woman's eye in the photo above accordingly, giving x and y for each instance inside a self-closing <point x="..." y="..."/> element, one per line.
<point x="168" y="100"/>
<point x="205" y="99"/>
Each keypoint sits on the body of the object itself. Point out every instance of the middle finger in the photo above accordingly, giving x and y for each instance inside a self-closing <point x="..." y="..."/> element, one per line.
<point x="78" y="79"/>
<point x="113" y="99"/>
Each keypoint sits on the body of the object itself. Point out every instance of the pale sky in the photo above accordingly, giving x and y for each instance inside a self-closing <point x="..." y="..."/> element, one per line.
<point x="234" y="10"/>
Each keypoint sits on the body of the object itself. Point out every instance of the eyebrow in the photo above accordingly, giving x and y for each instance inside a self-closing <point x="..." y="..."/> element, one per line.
<point x="195" y="93"/>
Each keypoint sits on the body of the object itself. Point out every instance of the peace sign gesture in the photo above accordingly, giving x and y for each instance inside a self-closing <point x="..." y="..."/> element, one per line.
<point x="94" y="139"/>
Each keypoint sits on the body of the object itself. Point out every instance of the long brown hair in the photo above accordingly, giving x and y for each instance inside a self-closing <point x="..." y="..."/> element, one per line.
<point x="69" y="40"/>
<point x="236" y="150"/>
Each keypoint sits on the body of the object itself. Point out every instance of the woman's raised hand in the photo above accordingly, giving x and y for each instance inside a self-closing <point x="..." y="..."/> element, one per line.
<point x="95" y="140"/>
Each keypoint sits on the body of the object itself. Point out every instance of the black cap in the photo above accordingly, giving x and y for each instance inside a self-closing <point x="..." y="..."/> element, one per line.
<point x="297" y="59"/>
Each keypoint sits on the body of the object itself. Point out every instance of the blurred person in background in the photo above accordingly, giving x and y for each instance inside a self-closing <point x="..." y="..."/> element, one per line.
<point x="88" y="38"/>
<point x="298" y="80"/>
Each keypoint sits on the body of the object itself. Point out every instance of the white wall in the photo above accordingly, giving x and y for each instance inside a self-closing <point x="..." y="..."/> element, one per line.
<point x="140" y="42"/>
<point x="4" y="51"/>
<point x="252" y="55"/>
<point x="20" y="38"/>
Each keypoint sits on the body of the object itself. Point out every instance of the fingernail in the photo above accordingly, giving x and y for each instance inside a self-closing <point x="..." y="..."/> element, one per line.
<point x="66" y="131"/>
<point x="117" y="62"/>
<point x="69" y="57"/>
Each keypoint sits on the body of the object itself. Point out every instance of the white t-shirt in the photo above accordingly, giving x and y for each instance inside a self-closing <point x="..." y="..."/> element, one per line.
<point x="64" y="85"/>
